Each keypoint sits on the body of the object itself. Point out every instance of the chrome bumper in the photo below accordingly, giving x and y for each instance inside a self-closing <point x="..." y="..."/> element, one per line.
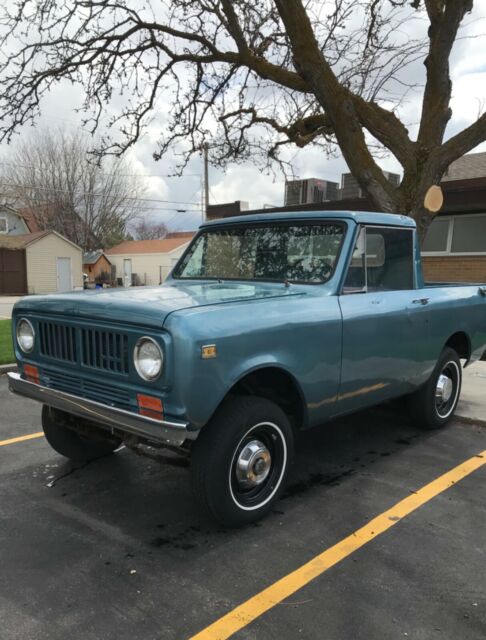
<point x="163" y="431"/>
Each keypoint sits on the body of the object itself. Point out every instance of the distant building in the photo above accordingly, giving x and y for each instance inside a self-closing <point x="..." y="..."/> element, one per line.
<point x="97" y="267"/>
<point x="226" y="210"/>
<point x="149" y="262"/>
<point x="350" y="187"/>
<point x="310" y="190"/>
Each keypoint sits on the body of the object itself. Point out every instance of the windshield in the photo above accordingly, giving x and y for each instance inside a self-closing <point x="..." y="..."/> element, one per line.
<point x="305" y="252"/>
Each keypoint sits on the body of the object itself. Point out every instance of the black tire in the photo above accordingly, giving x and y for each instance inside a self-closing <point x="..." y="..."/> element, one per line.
<point x="70" y="444"/>
<point x="217" y="483"/>
<point x="428" y="410"/>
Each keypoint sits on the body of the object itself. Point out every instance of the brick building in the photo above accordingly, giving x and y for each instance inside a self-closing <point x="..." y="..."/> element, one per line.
<point x="455" y="247"/>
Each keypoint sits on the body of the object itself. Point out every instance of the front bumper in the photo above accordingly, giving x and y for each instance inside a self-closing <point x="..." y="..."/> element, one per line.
<point x="110" y="418"/>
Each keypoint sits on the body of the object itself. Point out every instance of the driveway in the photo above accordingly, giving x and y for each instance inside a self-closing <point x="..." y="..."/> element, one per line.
<point x="6" y="305"/>
<point x="115" y="550"/>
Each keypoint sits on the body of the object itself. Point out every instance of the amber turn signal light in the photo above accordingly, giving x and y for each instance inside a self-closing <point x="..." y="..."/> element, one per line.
<point x="150" y="406"/>
<point x="31" y="373"/>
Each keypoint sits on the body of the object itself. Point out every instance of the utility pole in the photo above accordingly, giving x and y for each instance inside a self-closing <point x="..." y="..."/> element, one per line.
<point x="205" y="149"/>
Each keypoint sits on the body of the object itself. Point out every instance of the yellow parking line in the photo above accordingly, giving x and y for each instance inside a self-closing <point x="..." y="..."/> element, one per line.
<point x="30" y="436"/>
<point x="247" y="612"/>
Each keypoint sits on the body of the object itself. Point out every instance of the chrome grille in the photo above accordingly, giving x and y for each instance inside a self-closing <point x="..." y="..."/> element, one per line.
<point x="58" y="341"/>
<point x="104" y="350"/>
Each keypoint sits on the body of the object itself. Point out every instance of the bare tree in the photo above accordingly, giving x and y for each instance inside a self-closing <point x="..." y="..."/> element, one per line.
<point x="269" y="73"/>
<point x="144" y="230"/>
<point x="52" y="176"/>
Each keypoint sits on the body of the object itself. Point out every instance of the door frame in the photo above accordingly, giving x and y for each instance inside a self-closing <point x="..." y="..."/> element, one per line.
<point x="127" y="260"/>
<point x="70" y="272"/>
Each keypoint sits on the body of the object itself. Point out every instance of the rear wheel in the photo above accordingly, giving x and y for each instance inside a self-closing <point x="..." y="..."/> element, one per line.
<point x="79" y="447"/>
<point x="434" y="404"/>
<point x="241" y="459"/>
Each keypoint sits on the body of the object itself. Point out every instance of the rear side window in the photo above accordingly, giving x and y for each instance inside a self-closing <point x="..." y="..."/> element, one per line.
<point x="382" y="261"/>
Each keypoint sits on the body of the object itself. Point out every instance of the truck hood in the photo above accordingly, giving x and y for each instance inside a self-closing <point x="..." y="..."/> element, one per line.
<point x="151" y="305"/>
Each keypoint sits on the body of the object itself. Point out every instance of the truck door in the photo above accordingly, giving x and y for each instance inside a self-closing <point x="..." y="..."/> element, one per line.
<point x="381" y="339"/>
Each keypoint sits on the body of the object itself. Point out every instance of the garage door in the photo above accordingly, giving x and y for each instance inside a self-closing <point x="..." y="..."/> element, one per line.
<point x="13" y="272"/>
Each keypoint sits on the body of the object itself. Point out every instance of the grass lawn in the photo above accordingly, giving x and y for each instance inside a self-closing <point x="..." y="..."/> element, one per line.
<point x="6" y="348"/>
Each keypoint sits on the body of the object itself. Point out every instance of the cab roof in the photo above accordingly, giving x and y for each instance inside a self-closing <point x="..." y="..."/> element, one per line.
<point x="360" y="217"/>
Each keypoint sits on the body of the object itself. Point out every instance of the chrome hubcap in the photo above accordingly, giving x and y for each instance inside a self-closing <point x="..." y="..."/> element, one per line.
<point x="253" y="464"/>
<point x="444" y="389"/>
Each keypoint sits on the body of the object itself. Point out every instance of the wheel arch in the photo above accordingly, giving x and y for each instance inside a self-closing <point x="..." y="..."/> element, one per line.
<point x="278" y="385"/>
<point x="461" y="343"/>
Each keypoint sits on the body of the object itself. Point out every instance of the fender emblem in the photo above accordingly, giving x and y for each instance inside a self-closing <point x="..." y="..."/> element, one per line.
<point x="208" y="351"/>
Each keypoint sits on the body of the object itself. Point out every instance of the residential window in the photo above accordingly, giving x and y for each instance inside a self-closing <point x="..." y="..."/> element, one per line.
<point x="437" y="237"/>
<point x="456" y="235"/>
<point x="3" y="225"/>
<point x="469" y="235"/>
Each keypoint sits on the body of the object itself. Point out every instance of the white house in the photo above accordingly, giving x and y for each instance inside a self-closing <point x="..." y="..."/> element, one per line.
<point x="148" y="261"/>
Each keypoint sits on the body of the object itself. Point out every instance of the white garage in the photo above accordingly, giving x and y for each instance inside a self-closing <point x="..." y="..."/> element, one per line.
<point x="148" y="262"/>
<point x="43" y="262"/>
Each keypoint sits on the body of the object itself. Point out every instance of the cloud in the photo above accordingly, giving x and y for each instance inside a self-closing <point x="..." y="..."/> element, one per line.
<point x="247" y="182"/>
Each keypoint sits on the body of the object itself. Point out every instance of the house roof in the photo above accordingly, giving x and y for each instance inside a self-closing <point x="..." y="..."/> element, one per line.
<point x="471" y="165"/>
<point x="21" y="241"/>
<point x="30" y="220"/>
<point x="148" y="246"/>
<point x="92" y="257"/>
<point x="26" y="239"/>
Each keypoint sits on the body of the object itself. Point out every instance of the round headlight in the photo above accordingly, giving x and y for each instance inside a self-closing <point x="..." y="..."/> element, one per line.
<point x="25" y="335"/>
<point x="148" y="359"/>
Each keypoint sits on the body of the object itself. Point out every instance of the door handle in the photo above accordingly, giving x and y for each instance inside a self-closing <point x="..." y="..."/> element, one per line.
<point x="422" y="301"/>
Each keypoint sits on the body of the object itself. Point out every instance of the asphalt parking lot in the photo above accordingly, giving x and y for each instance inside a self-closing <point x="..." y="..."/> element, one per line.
<point x="116" y="550"/>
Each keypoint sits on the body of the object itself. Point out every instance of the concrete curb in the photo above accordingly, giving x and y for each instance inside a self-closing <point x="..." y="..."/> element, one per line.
<point x="7" y="368"/>
<point x="480" y="422"/>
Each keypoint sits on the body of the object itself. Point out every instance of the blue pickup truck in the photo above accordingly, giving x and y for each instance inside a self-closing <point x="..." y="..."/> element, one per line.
<point x="267" y="325"/>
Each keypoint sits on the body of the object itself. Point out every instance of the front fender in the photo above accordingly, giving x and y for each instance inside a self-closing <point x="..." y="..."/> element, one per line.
<point x="301" y="336"/>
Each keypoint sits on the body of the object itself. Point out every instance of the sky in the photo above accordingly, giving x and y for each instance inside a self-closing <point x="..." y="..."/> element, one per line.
<point x="248" y="182"/>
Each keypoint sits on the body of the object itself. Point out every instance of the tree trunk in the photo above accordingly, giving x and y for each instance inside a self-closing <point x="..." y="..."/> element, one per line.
<point x="423" y="218"/>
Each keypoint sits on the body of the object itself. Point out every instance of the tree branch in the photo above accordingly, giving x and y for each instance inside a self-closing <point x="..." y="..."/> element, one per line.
<point x="337" y="102"/>
<point x="445" y="19"/>
<point x="462" y="143"/>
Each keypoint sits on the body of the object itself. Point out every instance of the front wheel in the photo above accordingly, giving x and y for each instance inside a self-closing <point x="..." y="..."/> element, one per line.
<point x="433" y="405"/>
<point x="241" y="459"/>
<point x="71" y="444"/>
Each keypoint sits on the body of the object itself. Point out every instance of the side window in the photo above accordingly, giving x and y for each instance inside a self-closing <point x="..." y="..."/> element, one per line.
<point x="382" y="261"/>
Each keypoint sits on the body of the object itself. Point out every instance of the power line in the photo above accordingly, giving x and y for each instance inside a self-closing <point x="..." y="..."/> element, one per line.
<point x="167" y="222"/>
<point x="95" y="195"/>
<point x="121" y="175"/>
